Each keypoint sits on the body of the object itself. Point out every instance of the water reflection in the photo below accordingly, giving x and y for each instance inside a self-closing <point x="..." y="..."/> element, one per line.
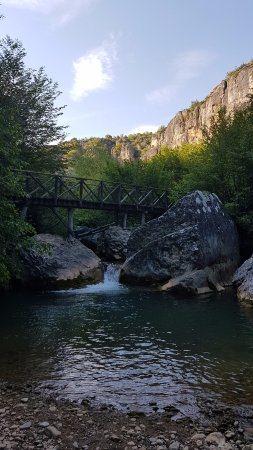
<point x="129" y="347"/>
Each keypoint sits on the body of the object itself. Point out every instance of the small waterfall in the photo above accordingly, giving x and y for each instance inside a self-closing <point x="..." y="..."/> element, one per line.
<point x="109" y="284"/>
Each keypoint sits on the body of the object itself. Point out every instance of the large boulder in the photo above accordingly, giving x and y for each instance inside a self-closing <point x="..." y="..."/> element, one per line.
<point x="193" y="247"/>
<point x="53" y="262"/>
<point x="90" y="238"/>
<point x="112" y="243"/>
<point x="243" y="281"/>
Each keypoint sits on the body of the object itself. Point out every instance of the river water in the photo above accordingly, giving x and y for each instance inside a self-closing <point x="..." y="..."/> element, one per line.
<point x="129" y="347"/>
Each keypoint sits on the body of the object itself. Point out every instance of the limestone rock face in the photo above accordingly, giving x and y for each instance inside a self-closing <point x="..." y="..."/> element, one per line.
<point x="187" y="126"/>
<point x="124" y="150"/>
<point x="112" y="243"/>
<point x="53" y="262"/>
<point x="192" y="248"/>
<point x="243" y="280"/>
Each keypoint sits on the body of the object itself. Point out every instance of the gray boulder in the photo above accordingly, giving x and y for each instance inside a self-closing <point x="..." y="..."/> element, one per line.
<point x="112" y="243"/>
<point x="53" y="262"/>
<point x="243" y="281"/>
<point x="192" y="248"/>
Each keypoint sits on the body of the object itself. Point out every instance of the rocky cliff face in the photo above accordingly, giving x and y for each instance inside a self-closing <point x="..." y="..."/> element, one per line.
<point x="187" y="125"/>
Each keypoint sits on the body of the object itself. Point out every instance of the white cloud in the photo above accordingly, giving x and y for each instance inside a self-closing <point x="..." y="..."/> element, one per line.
<point x="62" y="10"/>
<point x="94" y="70"/>
<point x="185" y="67"/>
<point x="144" y="128"/>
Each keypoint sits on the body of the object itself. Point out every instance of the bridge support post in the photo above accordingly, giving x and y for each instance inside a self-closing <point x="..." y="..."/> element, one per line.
<point x="23" y="212"/>
<point x="143" y="218"/>
<point x="70" y="222"/>
<point x="125" y="221"/>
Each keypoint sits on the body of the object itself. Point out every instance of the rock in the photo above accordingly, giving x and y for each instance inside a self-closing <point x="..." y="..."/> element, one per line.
<point x="174" y="445"/>
<point x="115" y="438"/>
<point x="24" y="400"/>
<point x="188" y="125"/>
<point x="43" y="424"/>
<point x="193" y="248"/>
<point x="112" y="243"/>
<point x="248" y="433"/>
<point x="55" y="262"/>
<point x="156" y="441"/>
<point x="26" y="425"/>
<point x="90" y="239"/>
<point x="229" y="434"/>
<point x="53" y="431"/>
<point x="243" y="280"/>
<point x="198" y="437"/>
<point x="52" y="408"/>
<point x="215" y="438"/>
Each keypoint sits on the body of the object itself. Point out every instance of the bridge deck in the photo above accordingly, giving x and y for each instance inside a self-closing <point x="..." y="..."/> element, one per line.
<point x="54" y="190"/>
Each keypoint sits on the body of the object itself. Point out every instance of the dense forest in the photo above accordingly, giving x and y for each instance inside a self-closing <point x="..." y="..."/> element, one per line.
<point x="222" y="163"/>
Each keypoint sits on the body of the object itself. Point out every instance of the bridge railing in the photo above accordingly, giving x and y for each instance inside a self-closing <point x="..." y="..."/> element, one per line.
<point x="58" y="187"/>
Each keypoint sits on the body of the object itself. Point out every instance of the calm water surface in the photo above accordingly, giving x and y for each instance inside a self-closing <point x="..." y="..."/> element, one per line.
<point x="129" y="347"/>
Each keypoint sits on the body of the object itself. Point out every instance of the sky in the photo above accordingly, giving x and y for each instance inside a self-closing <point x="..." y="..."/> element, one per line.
<point x="126" y="66"/>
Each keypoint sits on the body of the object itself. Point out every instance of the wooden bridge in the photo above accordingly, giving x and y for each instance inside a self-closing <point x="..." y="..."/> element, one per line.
<point x="62" y="191"/>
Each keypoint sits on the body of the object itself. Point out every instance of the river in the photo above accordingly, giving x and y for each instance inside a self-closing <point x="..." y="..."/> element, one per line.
<point x="129" y="347"/>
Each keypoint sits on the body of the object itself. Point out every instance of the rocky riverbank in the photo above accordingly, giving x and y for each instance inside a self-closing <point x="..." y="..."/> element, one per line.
<point x="28" y="421"/>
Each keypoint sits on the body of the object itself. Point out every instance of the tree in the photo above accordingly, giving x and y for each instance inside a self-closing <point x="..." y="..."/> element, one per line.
<point x="13" y="230"/>
<point x="34" y="95"/>
<point x="28" y="128"/>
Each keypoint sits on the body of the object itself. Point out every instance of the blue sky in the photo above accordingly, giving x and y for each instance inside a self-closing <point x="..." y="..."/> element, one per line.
<point x="129" y="65"/>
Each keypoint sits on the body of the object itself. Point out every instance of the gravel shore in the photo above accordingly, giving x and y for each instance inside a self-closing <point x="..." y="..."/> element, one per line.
<point x="29" y="421"/>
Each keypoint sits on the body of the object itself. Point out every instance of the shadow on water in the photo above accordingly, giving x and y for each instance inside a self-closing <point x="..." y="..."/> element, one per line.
<point x="129" y="346"/>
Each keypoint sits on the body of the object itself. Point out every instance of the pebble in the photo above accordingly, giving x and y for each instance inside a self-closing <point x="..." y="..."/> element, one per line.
<point x="248" y="433"/>
<point x="215" y="438"/>
<point x="25" y="425"/>
<point x="174" y="445"/>
<point x="24" y="400"/>
<point x="156" y="441"/>
<point x="52" y="408"/>
<point x="115" y="438"/>
<point x="43" y="424"/>
<point x="53" y="431"/>
<point x="198" y="437"/>
<point x="229" y="434"/>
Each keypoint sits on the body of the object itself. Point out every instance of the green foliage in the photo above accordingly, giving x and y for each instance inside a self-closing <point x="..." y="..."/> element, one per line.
<point x="34" y="96"/>
<point x="222" y="164"/>
<point x="13" y="230"/>
<point x="28" y="126"/>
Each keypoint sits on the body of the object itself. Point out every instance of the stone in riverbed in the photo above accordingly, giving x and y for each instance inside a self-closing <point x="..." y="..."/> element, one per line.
<point x="193" y="247"/>
<point x="215" y="438"/>
<point x="174" y="445"/>
<point x="53" y="262"/>
<point x="53" y="431"/>
<point x="112" y="243"/>
<point x="243" y="280"/>
<point x="43" y="424"/>
<point x="26" y="425"/>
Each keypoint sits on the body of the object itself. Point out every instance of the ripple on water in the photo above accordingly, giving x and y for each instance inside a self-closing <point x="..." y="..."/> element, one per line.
<point x="129" y="347"/>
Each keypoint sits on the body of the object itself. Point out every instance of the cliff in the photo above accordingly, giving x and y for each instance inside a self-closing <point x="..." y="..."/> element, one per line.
<point x="187" y="126"/>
